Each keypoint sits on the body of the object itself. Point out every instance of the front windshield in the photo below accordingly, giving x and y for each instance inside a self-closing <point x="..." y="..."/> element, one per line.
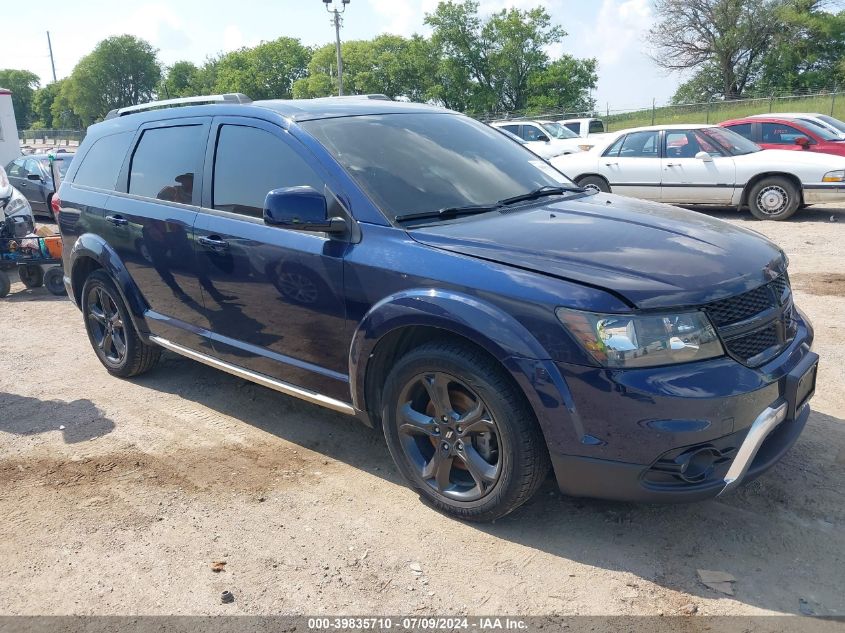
<point x="557" y="130"/>
<point x="730" y="141"/>
<point x="839" y="125"/>
<point x="423" y="162"/>
<point x="822" y="132"/>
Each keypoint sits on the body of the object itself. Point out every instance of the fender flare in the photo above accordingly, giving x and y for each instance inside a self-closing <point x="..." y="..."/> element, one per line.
<point x="89" y="245"/>
<point x="480" y="322"/>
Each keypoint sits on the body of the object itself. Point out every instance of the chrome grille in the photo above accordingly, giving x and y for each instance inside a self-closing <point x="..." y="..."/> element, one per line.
<point x="756" y="325"/>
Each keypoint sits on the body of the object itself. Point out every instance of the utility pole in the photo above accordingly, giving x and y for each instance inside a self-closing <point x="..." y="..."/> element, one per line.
<point x="52" y="61"/>
<point x="337" y="22"/>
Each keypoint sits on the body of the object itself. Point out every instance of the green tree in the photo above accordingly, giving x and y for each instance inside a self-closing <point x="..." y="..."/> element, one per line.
<point x="23" y="84"/>
<point x="120" y="71"/>
<point x="389" y="64"/>
<point x="728" y="38"/>
<point x="61" y="110"/>
<point x="267" y="71"/>
<point x="500" y="62"/>
<point x="809" y="50"/>
<point x="180" y="80"/>
<point x="42" y="104"/>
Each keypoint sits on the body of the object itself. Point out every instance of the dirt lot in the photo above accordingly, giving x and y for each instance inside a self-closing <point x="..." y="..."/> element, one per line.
<point x="117" y="496"/>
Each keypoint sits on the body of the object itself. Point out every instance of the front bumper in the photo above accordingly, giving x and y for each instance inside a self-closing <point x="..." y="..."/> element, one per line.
<point x="821" y="193"/>
<point x="683" y="433"/>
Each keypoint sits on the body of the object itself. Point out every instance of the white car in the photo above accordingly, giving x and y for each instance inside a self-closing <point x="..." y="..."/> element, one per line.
<point x="544" y="138"/>
<point x="16" y="219"/>
<point x="703" y="164"/>
<point x="833" y="125"/>
<point x="584" y="127"/>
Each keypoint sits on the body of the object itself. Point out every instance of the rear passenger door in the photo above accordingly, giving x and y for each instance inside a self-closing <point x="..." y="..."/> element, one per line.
<point x="149" y="222"/>
<point x="274" y="296"/>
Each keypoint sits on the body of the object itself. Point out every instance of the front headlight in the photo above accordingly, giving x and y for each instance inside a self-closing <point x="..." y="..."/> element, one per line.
<point x="837" y="175"/>
<point x="627" y="340"/>
<point x="17" y="204"/>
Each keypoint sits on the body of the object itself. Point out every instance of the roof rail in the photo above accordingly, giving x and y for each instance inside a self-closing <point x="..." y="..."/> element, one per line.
<point x="374" y="97"/>
<point x="235" y="97"/>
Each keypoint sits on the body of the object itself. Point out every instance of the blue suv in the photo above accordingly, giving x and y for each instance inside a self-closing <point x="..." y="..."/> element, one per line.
<point x="417" y="269"/>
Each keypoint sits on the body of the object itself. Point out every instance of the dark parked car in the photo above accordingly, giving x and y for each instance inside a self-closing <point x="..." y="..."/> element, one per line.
<point x="31" y="175"/>
<point x="417" y="269"/>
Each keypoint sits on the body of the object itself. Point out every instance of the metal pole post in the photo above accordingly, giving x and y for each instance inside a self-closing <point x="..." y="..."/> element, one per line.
<point x="52" y="62"/>
<point x="653" y="103"/>
<point x="833" y="100"/>
<point x="337" y="20"/>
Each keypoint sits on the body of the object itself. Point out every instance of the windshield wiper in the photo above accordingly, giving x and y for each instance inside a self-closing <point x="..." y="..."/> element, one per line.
<point x="447" y="212"/>
<point x="539" y="193"/>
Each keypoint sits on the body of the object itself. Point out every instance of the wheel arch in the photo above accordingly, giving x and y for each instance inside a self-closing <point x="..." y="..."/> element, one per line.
<point x="749" y="185"/>
<point x="402" y="322"/>
<point x="90" y="253"/>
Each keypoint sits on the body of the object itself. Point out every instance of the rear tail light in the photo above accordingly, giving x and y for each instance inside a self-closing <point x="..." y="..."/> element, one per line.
<point x="56" y="205"/>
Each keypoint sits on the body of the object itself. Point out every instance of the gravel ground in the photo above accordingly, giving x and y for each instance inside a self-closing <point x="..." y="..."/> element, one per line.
<point x="118" y="496"/>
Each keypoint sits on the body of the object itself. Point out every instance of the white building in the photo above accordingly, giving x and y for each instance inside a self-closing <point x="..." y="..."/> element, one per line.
<point x="10" y="146"/>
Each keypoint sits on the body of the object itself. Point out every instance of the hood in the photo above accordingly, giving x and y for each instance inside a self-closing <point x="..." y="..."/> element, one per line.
<point x="820" y="160"/>
<point x="651" y="254"/>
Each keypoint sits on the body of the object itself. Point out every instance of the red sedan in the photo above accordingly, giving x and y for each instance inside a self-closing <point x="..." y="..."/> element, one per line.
<point x="775" y="133"/>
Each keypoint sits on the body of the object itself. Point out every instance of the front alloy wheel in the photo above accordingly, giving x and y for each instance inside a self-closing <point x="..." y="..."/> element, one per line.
<point x="461" y="432"/>
<point x="449" y="436"/>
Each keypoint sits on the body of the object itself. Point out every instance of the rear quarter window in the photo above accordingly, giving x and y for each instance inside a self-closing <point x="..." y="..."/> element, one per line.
<point x="596" y="127"/>
<point x="101" y="165"/>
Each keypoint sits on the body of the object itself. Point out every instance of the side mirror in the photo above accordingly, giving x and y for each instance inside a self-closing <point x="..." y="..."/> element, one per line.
<point x="707" y="158"/>
<point x="300" y="209"/>
<point x="802" y="141"/>
<point x="543" y="138"/>
<point x="35" y="177"/>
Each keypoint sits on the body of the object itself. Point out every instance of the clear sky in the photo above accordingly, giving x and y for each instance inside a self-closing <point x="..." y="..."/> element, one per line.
<point x="609" y="30"/>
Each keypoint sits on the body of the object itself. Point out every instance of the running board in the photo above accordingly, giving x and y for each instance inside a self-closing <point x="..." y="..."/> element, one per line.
<point x="261" y="379"/>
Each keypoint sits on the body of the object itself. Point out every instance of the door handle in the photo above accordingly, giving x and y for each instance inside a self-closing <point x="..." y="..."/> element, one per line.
<point x="611" y="164"/>
<point x="673" y="164"/>
<point x="117" y="220"/>
<point x="213" y="242"/>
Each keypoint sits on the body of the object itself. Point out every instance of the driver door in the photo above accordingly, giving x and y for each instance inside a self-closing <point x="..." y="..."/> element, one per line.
<point x="691" y="180"/>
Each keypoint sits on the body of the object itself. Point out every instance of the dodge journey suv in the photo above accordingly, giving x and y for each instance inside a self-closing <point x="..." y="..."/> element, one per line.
<point x="417" y="269"/>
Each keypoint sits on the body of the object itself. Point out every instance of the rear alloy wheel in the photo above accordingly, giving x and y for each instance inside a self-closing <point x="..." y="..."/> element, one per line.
<point x="774" y="198"/>
<point x="31" y="275"/>
<point x="461" y="433"/>
<point x="111" y="331"/>
<point x="594" y="183"/>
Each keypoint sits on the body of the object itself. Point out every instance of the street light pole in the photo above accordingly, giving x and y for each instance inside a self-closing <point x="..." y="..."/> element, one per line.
<point x="337" y="22"/>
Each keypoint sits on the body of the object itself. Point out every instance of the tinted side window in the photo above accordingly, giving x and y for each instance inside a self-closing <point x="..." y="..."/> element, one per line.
<point x="575" y="127"/>
<point x="165" y="162"/>
<point x="513" y="129"/>
<point x="101" y="165"/>
<point x="596" y="127"/>
<point x="780" y="133"/>
<point x="640" y="145"/>
<point x="743" y="129"/>
<point x="16" y="169"/>
<point x="250" y="163"/>
<point x="613" y="150"/>
<point x="532" y="133"/>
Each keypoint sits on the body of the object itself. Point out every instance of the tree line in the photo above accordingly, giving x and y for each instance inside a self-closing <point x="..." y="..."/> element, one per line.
<point x="470" y="62"/>
<point x="748" y="48"/>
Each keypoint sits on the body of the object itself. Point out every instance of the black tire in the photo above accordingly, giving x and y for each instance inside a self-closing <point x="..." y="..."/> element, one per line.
<point x="54" y="281"/>
<point x="5" y="284"/>
<point x="774" y="198"/>
<point x="118" y="346"/>
<point x="596" y="183"/>
<point x="31" y="275"/>
<point x="498" y="426"/>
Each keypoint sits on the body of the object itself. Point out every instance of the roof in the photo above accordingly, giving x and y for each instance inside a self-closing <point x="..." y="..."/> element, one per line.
<point x="784" y="115"/>
<point x="5" y="91"/>
<point x="330" y="107"/>
<point x="674" y="126"/>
